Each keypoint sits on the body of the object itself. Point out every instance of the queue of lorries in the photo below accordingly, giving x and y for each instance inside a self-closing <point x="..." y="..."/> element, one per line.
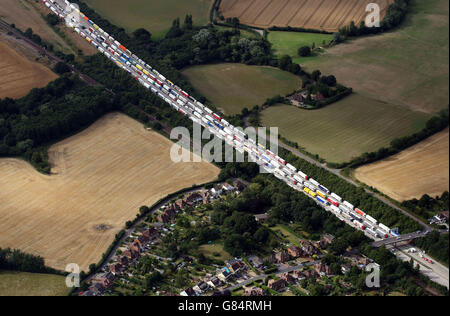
<point x="181" y="101"/>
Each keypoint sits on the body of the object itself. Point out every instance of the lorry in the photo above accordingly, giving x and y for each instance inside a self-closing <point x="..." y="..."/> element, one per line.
<point x="349" y="205"/>
<point x="336" y="197"/>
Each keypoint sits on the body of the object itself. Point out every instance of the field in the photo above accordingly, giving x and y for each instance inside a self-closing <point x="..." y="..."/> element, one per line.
<point x="154" y="15"/>
<point x="406" y="67"/>
<point x="100" y="178"/>
<point x="29" y="14"/>
<point x="288" y="43"/>
<point x="345" y="129"/>
<point x="327" y="15"/>
<point x="210" y="250"/>
<point x="421" y="169"/>
<point x="18" y="75"/>
<point x="232" y="87"/>
<point x="14" y="283"/>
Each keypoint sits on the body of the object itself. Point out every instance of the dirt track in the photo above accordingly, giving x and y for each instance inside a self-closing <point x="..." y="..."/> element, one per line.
<point x="102" y="176"/>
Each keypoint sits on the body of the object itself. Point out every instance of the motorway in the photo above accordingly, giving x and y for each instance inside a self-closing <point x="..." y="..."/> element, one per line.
<point x="200" y="114"/>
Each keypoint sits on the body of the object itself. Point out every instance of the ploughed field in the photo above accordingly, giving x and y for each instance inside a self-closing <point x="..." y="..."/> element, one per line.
<point x="328" y="15"/>
<point x="154" y="15"/>
<point x="421" y="169"/>
<point x="232" y="87"/>
<point x="100" y="178"/>
<point x="18" y="75"/>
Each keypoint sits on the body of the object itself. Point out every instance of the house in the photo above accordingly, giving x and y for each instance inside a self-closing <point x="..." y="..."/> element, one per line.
<point x="255" y="261"/>
<point x="152" y="233"/>
<point x="254" y="291"/>
<point x="188" y="292"/>
<point x="288" y="278"/>
<point x="206" y="195"/>
<point x="180" y="204"/>
<point x="228" y="187"/>
<point x="322" y="269"/>
<point x="96" y="289"/>
<point x="123" y="261"/>
<point x="193" y="199"/>
<point x="222" y="293"/>
<point x="280" y="257"/>
<point x="318" y="96"/>
<point x="261" y="218"/>
<point x="214" y="282"/>
<point x="325" y="241"/>
<point x="295" y="251"/>
<point x="308" y="248"/>
<point x="135" y="246"/>
<point x="130" y="254"/>
<point x="239" y="185"/>
<point x="201" y="287"/>
<point x="106" y="279"/>
<point x="168" y="215"/>
<point x="298" y="275"/>
<point x="276" y="285"/>
<point x="216" y="191"/>
<point x="235" y="265"/>
<point x="115" y="268"/>
<point x="224" y="275"/>
<point x="88" y="293"/>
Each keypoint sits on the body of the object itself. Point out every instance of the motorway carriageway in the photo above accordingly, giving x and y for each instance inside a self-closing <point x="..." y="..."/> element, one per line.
<point x="200" y="114"/>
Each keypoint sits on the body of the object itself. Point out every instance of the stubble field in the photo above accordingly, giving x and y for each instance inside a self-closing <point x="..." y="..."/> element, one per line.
<point x="421" y="169"/>
<point x="100" y="178"/>
<point x="18" y="75"/>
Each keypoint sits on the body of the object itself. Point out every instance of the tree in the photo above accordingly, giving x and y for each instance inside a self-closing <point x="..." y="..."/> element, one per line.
<point x="315" y="75"/>
<point x="61" y="68"/>
<point x="285" y="62"/>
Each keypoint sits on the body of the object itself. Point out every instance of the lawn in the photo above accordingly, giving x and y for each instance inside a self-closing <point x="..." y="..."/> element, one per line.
<point x="288" y="43"/>
<point x="211" y="249"/>
<point x="154" y="15"/>
<point x="289" y="236"/>
<point x="31" y="284"/>
<point x="345" y="129"/>
<point x="232" y="87"/>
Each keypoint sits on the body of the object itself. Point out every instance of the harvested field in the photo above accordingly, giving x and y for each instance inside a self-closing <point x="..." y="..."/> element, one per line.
<point x="328" y="15"/>
<point x="18" y="75"/>
<point x="232" y="87"/>
<point x="101" y="176"/>
<point x="421" y="169"/>
<point x="13" y="283"/>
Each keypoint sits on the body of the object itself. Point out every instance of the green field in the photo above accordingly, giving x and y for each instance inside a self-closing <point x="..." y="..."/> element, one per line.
<point x="211" y="250"/>
<point x="345" y="129"/>
<point x="408" y="66"/>
<point x="288" y="43"/>
<point x="232" y="87"/>
<point x="31" y="284"/>
<point x="154" y="15"/>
